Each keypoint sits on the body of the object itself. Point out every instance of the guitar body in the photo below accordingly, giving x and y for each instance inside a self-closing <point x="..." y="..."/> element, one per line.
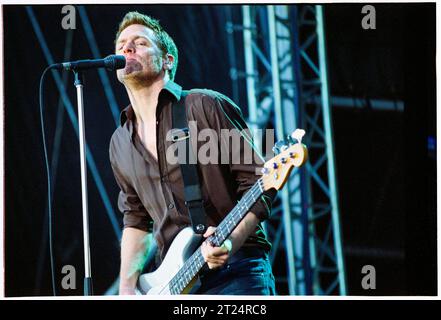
<point x="182" y="247"/>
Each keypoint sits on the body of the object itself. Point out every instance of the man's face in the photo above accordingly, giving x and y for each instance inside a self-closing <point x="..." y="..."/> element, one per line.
<point x="144" y="59"/>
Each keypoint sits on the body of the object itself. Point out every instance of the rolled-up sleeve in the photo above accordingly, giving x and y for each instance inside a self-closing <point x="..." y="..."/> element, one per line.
<point x="244" y="164"/>
<point x="129" y="203"/>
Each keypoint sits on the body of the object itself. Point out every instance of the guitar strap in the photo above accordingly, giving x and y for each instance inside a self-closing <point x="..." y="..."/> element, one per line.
<point x="190" y="175"/>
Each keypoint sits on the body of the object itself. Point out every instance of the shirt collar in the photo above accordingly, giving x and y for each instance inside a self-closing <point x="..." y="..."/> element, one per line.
<point x="170" y="87"/>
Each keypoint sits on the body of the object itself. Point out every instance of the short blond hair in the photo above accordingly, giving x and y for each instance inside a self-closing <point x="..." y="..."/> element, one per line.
<point x="164" y="41"/>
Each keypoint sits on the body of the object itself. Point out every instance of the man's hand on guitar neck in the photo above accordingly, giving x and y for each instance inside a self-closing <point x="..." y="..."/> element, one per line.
<point x="216" y="257"/>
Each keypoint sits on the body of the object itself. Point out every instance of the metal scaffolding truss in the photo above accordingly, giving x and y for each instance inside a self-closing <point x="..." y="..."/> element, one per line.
<point x="324" y="225"/>
<point x="286" y="83"/>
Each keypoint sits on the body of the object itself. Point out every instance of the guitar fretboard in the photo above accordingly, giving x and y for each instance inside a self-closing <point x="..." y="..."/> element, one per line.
<point x="192" y="266"/>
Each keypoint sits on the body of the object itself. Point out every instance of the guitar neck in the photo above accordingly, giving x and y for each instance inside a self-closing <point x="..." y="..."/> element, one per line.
<point x="227" y="226"/>
<point x="194" y="264"/>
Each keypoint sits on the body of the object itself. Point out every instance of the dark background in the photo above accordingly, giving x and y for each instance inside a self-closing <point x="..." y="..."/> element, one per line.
<point x="386" y="172"/>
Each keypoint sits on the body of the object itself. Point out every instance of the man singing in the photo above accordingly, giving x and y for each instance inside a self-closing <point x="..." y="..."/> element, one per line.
<point x="152" y="188"/>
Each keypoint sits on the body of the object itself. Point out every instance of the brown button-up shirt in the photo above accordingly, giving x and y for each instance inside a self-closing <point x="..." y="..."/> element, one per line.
<point x="152" y="191"/>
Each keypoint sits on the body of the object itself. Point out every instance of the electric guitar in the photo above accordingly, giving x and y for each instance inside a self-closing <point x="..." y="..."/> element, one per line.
<point x="178" y="272"/>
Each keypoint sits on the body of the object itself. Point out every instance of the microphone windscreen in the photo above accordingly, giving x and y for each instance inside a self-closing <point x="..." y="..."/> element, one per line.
<point x="115" y="62"/>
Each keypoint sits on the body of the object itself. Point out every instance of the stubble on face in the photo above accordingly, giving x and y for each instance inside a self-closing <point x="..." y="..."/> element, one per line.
<point x="144" y="65"/>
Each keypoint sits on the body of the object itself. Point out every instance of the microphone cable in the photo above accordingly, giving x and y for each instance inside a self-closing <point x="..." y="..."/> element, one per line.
<point x="49" y="197"/>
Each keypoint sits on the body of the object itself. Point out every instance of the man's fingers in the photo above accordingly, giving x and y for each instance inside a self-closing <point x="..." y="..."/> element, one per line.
<point x="214" y="263"/>
<point x="209" y="232"/>
<point x="219" y="251"/>
<point x="215" y="251"/>
<point x="215" y="257"/>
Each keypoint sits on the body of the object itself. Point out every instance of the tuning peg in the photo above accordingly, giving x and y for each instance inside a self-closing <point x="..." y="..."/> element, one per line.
<point x="298" y="135"/>
<point x="280" y="146"/>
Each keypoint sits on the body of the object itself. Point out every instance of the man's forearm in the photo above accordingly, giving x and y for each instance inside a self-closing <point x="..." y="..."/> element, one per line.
<point x="134" y="245"/>
<point x="243" y="231"/>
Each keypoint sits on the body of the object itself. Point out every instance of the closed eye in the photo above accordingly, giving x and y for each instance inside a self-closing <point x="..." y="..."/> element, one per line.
<point x="120" y="46"/>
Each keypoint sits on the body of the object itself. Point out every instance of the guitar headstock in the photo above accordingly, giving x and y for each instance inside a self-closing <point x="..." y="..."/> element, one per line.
<point x="277" y="170"/>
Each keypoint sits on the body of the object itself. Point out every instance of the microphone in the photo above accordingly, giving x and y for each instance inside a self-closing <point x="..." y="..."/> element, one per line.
<point x="111" y="63"/>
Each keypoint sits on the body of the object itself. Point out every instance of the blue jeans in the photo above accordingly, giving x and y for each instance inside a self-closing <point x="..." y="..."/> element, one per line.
<point x="243" y="276"/>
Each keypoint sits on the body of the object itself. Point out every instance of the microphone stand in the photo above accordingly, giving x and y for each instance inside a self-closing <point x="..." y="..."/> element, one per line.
<point x="88" y="290"/>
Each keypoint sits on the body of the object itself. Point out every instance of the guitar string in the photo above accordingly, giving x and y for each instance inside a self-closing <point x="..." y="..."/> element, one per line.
<point x="236" y="214"/>
<point x="194" y="259"/>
